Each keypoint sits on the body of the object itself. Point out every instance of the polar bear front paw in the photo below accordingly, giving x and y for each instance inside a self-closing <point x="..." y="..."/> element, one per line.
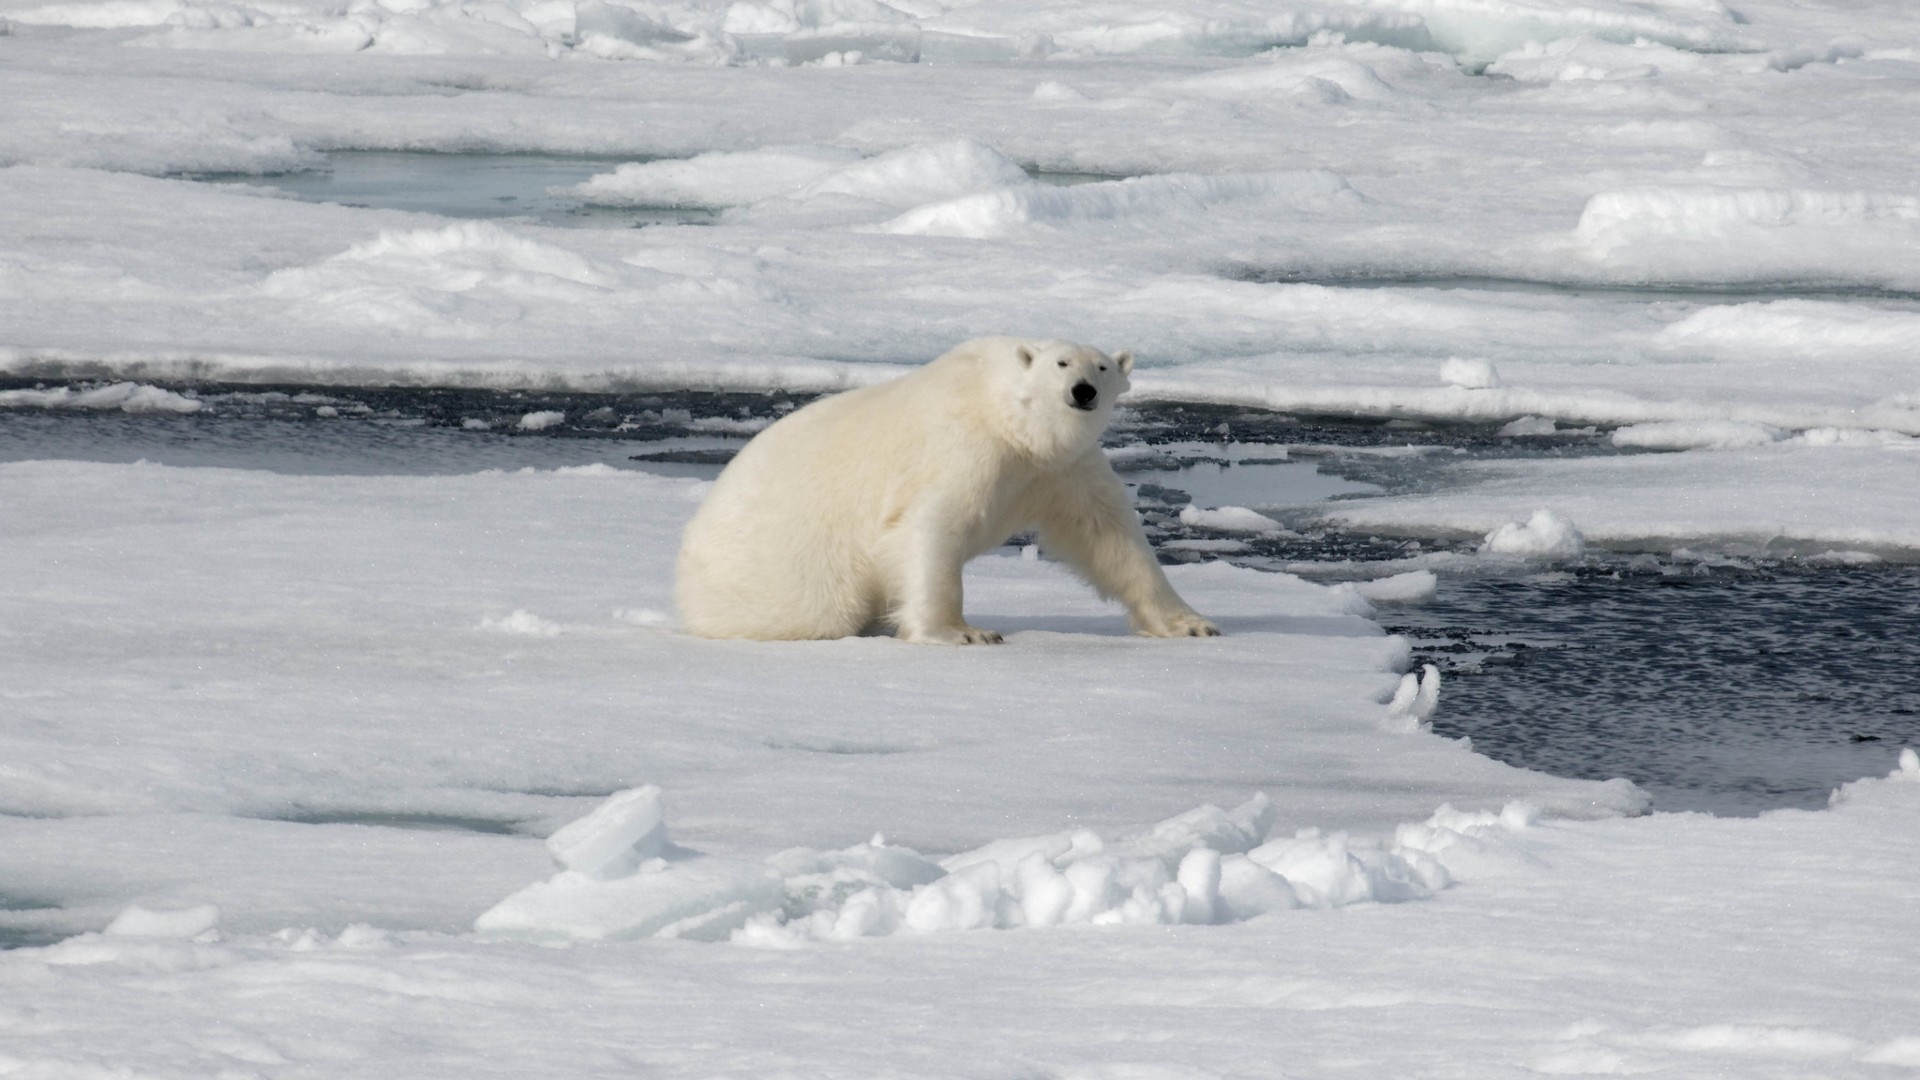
<point x="956" y="635"/>
<point x="1182" y="624"/>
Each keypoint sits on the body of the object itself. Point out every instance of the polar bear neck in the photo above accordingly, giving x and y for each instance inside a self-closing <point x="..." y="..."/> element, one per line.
<point x="1052" y="434"/>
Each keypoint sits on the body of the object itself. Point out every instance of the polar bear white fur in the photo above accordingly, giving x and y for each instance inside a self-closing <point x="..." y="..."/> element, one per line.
<point x="858" y="511"/>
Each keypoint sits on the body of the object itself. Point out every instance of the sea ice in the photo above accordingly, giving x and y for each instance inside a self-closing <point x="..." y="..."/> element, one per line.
<point x="1414" y="700"/>
<point x="137" y="921"/>
<point x="1229" y="519"/>
<point x="1207" y="866"/>
<point x="621" y="878"/>
<point x="1694" y="435"/>
<point x="542" y="420"/>
<point x="1469" y="374"/>
<point x="265" y="692"/>
<point x="616" y="838"/>
<point x="680" y="894"/>
<point x="1778" y="496"/>
<point x="522" y="621"/>
<point x="124" y="396"/>
<point x="1528" y="426"/>
<point x="1412" y="587"/>
<point x="716" y="179"/>
<point x="1544" y="535"/>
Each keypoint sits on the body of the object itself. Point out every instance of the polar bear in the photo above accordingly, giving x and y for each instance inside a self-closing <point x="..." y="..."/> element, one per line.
<point x="857" y="511"/>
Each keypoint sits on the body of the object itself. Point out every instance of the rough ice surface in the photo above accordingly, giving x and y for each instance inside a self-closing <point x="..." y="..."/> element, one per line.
<point x="676" y="894"/>
<point x="540" y="421"/>
<point x="1696" y="435"/>
<point x="1229" y="519"/>
<point x="1469" y="374"/>
<point x="522" y="621"/>
<point x="621" y="833"/>
<point x="1206" y="866"/>
<point x="124" y="396"/>
<point x="1778" y="496"/>
<point x="719" y="178"/>
<point x="1545" y="534"/>
<point x="1405" y="588"/>
<point x="292" y="736"/>
<point x="1414" y="700"/>
<point x="1527" y="426"/>
<point x="137" y="921"/>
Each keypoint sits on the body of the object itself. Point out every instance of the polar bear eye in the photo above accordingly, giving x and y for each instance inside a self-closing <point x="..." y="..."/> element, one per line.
<point x="1063" y="363"/>
<point x="1103" y="367"/>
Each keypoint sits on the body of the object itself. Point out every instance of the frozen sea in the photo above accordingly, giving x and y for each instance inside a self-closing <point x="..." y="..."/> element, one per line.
<point x="342" y="753"/>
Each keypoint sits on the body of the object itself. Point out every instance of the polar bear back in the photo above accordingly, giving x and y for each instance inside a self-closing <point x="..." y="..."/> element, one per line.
<point x="810" y="531"/>
<point x="786" y="544"/>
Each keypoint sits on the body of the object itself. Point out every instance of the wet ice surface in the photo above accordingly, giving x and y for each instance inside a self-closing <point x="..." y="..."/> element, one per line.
<point x="538" y="187"/>
<point x="1675" y="292"/>
<point x="1722" y="686"/>
<point x="468" y="186"/>
<point x="27" y="935"/>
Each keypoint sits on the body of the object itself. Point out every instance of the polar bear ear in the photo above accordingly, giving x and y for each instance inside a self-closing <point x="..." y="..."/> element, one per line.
<point x="1026" y="356"/>
<point x="1125" y="359"/>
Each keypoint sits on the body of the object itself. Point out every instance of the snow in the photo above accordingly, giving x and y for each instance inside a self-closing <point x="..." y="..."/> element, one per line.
<point x="336" y="622"/>
<point x="1772" y="232"/>
<point x="1528" y="427"/>
<point x="1229" y="519"/>
<point x="1217" y="250"/>
<point x="677" y="894"/>
<point x="1774" y="496"/>
<point x="719" y="178"/>
<point x="1151" y="200"/>
<point x="1206" y="867"/>
<point x="522" y="621"/>
<point x="1560" y="909"/>
<point x="1699" y="435"/>
<point x="124" y="396"/>
<point x="287" y="761"/>
<point x="250" y="733"/>
<point x="136" y="921"/>
<point x="542" y="420"/>
<point x="1469" y="374"/>
<point x="1543" y="535"/>
<point x="1414" y="700"/>
<point x="1411" y="587"/>
<point x="621" y="833"/>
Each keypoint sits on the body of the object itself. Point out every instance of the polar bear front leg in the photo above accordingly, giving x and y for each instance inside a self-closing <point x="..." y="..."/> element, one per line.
<point x="927" y="605"/>
<point x="1089" y="523"/>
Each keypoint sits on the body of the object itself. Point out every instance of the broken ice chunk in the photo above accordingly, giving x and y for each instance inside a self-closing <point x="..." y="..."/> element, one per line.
<point x="622" y="879"/>
<point x="689" y="896"/>
<point x="184" y="923"/>
<point x="612" y="841"/>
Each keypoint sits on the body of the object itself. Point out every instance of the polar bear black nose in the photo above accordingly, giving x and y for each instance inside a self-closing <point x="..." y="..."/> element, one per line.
<point x="1083" y="395"/>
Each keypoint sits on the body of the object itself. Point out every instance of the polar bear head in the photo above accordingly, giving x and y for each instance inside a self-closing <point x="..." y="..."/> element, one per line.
<point x="1058" y="396"/>
<point x="1081" y="378"/>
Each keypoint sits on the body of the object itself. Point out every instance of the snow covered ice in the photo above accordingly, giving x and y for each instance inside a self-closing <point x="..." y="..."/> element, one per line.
<point x="309" y="775"/>
<point x="1543" y="535"/>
